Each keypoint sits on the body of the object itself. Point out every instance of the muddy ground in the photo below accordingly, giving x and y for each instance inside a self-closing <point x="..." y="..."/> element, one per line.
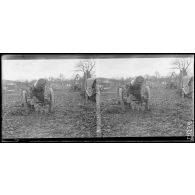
<point x="169" y="116"/>
<point x="71" y="118"/>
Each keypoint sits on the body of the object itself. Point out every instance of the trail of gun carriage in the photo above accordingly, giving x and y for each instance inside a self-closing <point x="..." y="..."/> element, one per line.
<point x="89" y="106"/>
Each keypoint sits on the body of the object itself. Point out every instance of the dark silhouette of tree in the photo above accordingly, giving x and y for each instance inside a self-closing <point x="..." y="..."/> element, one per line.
<point x="86" y="67"/>
<point x="182" y="65"/>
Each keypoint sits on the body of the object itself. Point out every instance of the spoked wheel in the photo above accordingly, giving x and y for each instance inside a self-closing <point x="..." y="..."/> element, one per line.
<point x="51" y="100"/>
<point x="24" y="101"/>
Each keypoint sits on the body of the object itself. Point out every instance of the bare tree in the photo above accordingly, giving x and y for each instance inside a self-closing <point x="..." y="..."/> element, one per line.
<point x="182" y="65"/>
<point x="86" y="67"/>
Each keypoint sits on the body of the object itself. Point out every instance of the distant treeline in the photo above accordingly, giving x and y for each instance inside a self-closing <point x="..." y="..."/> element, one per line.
<point x="63" y="82"/>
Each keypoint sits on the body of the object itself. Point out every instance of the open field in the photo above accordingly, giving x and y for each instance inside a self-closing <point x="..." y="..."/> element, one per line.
<point x="169" y="116"/>
<point x="71" y="118"/>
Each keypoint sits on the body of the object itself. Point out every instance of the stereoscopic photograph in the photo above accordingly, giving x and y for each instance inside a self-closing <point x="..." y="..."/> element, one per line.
<point x="88" y="96"/>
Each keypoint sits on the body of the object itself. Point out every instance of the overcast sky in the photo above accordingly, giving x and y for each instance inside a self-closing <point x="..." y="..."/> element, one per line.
<point x="110" y="68"/>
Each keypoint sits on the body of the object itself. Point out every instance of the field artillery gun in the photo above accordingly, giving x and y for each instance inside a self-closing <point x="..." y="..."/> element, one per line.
<point x="135" y="94"/>
<point x="38" y="97"/>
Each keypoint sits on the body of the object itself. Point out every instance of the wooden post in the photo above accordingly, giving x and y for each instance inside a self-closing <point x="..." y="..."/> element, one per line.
<point x="98" y="112"/>
<point x="121" y="99"/>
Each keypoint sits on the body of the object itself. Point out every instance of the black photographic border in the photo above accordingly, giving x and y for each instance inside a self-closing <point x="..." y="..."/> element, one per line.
<point x="20" y="56"/>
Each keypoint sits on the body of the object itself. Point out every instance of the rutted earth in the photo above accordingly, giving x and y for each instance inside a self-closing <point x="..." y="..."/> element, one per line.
<point x="169" y="116"/>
